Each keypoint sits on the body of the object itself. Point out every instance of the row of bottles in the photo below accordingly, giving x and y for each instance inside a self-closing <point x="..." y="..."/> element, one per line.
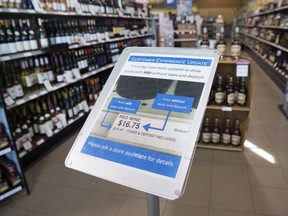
<point x="9" y="175"/>
<point x="99" y="7"/>
<point x="19" y="34"/>
<point x="45" y="116"/>
<point x="232" y="92"/>
<point x="29" y="74"/>
<point x="235" y="50"/>
<point x="221" y="135"/>
<point x="32" y="74"/>
<point x="276" y="57"/>
<point x="4" y="140"/>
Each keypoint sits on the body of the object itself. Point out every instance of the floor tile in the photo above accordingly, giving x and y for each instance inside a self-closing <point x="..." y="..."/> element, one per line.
<point x="256" y="131"/>
<point x="37" y="213"/>
<point x="279" y="144"/>
<point x="8" y="210"/>
<point x="261" y="157"/>
<point x="231" y="197"/>
<point x="229" y="157"/>
<point x="38" y="191"/>
<point x="110" y="187"/>
<point x="61" y="201"/>
<point x="201" y="171"/>
<point x="135" y="206"/>
<point x="79" y="180"/>
<point x="286" y="173"/>
<point x="270" y="201"/>
<point x="229" y="173"/>
<point x="98" y="203"/>
<point x="49" y="172"/>
<point x="203" y="155"/>
<point x="257" y="142"/>
<point x="277" y="131"/>
<point x="196" y="193"/>
<point x="267" y="177"/>
<point x="220" y="212"/>
<point x="172" y="209"/>
<point x="283" y="158"/>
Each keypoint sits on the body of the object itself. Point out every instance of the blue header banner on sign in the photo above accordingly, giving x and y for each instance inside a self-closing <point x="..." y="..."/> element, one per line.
<point x="170" y="3"/>
<point x="171" y="60"/>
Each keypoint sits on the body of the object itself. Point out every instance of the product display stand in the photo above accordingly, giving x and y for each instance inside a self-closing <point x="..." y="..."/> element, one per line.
<point x="153" y="205"/>
<point x="284" y="107"/>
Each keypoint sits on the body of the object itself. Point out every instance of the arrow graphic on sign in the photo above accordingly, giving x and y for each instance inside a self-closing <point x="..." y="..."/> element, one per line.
<point x="102" y="123"/>
<point x="148" y="126"/>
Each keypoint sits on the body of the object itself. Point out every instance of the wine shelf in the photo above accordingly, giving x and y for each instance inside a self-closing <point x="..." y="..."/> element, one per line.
<point x="5" y="151"/>
<point x="72" y="14"/>
<point x="267" y="42"/>
<point x="34" y="95"/>
<point x="266" y="12"/>
<point x="275" y="74"/>
<point x="219" y="147"/>
<point x="228" y="65"/>
<point x="10" y="192"/>
<point x="31" y="53"/>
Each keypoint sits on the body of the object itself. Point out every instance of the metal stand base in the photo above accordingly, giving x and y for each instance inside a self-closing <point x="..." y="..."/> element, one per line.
<point x="153" y="205"/>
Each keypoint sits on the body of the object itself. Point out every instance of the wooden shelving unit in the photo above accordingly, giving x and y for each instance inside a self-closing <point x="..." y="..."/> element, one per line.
<point x="225" y="66"/>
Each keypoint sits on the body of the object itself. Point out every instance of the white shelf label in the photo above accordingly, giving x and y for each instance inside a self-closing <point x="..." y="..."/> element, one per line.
<point x="27" y="145"/>
<point x="39" y="142"/>
<point x="48" y="85"/>
<point x="226" y="109"/>
<point x="242" y="70"/>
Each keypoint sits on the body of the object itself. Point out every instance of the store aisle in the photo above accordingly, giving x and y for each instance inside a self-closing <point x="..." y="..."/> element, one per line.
<point x="251" y="183"/>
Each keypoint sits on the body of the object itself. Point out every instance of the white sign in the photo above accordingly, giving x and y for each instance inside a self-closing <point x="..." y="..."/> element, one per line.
<point x="142" y="131"/>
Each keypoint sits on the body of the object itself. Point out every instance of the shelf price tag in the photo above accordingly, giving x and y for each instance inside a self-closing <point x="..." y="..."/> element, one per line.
<point x="27" y="145"/>
<point x="8" y="100"/>
<point x="242" y="69"/>
<point x="226" y="109"/>
<point x="48" y="85"/>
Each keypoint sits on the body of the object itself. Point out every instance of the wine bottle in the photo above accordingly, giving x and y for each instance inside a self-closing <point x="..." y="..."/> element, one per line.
<point x="236" y="134"/>
<point x="230" y="92"/>
<point x="31" y="35"/>
<point x="242" y="93"/>
<point x="226" y="135"/>
<point x="18" y="40"/>
<point x="221" y="43"/>
<point x="215" y="136"/>
<point x="41" y="35"/>
<point x="206" y="133"/>
<point x="219" y="91"/>
<point x="10" y="37"/>
<point x="24" y="34"/>
<point x="236" y="45"/>
<point x="204" y="44"/>
<point x="3" y="40"/>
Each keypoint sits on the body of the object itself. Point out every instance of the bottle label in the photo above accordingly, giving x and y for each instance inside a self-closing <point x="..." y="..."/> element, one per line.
<point x="33" y="44"/>
<point x="221" y="48"/>
<point x="40" y="78"/>
<point x="235" y="140"/>
<point x="235" y="50"/>
<point x="219" y="97"/>
<point x="11" y="92"/>
<point x="60" y="78"/>
<point x="231" y="98"/>
<point x="204" y="47"/>
<point x="206" y="137"/>
<point x="75" y="110"/>
<point x="85" y="106"/>
<point x="26" y="45"/>
<point x="12" y="47"/>
<point x="44" y="42"/>
<point x="18" y="90"/>
<point x="50" y="75"/>
<point x="36" y="128"/>
<point x="28" y="81"/>
<point x="58" y="40"/>
<point x="241" y="98"/>
<point x="19" y="45"/>
<point x="4" y="48"/>
<point x="42" y="128"/>
<point x="63" y="7"/>
<point x="70" y="113"/>
<point x="31" y="132"/>
<point x="226" y="138"/>
<point x="215" y="137"/>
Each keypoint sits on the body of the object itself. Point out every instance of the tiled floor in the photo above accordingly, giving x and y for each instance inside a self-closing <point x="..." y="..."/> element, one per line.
<point x="251" y="183"/>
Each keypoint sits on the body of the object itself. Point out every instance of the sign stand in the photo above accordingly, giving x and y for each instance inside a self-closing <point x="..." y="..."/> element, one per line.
<point x="153" y="205"/>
